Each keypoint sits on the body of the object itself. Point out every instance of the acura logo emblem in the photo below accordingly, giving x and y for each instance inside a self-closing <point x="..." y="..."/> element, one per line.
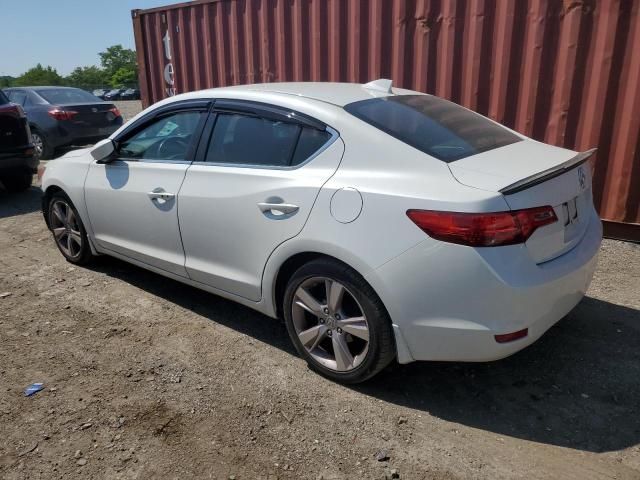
<point x="582" y="178"/>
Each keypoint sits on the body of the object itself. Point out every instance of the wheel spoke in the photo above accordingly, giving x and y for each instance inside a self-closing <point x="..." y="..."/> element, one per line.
<point x="69" y="245"/>
<point x="311" y="337"/>
<point x="58" y="213"/>
<point x="71" y="218"/>
<point x="335" y="293"/>
<point x="305" y="300"/>
<point x="344" y="359"/>
<point x="59" y="232"/>
<point x="356" y="326"/>
<point x="76" y="237"/>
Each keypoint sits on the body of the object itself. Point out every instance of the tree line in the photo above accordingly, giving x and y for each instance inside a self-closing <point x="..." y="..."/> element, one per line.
<point x="118" y="68"/>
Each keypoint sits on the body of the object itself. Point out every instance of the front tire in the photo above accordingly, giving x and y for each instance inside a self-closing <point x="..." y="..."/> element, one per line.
<point x="337" y="322"/>
<point x="68" y="231"/>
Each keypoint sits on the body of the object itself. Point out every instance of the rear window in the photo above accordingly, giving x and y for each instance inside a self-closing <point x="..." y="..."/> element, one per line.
<point x="434" y="126"/>
<point x="3" y="98"/>
<point x="67" y="95"/>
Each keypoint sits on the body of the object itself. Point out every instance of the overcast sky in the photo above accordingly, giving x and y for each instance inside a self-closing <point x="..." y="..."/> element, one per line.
<point x="63" y="33"/>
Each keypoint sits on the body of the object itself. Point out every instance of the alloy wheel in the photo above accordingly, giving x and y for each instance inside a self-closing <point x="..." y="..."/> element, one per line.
<point x="330" y="324"/>
<point x="66" y="230"/>
<point x="38" y="144"/>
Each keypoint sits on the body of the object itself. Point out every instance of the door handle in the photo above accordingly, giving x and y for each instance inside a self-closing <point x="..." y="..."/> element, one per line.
<point x="160" y="194"/>
<point x="276" y="210"/>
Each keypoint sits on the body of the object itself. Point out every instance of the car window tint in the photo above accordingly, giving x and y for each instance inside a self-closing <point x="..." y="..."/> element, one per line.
<point x="17" y="97"/>
<point x="311" y="140"/>
<point x="244" y="140"/>
<point x="434" y="126"/>
<point x="166" y="138"/>
<point x="67" y="95"/>
<point x="3" y="98"/>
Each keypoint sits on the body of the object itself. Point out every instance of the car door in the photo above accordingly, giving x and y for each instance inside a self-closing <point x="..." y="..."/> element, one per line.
<point x="132" y="201"/>
<point x="252" y="187"/>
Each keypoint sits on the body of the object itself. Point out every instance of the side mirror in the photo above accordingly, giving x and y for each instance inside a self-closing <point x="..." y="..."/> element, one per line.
<point x="103" y="151"/>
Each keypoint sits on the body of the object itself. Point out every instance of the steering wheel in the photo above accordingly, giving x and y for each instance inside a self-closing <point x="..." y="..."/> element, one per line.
<point x="173" y="148"/>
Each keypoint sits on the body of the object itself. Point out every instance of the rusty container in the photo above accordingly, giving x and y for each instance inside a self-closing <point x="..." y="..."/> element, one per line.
<point x="563" y="72"/>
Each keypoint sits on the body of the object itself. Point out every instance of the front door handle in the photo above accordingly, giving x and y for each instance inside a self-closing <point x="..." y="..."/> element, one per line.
<point x="275" y="210"/>
<point x="160" y="194"/>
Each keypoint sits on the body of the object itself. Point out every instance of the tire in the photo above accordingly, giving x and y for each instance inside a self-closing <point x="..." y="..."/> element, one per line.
<point x="68" y="231"/>
<point x="43" y="149"/>
<point x="311" y="313"/>
<point x="17" y="182"/>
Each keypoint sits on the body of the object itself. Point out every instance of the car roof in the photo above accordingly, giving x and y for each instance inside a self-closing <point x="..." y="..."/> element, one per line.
<point x="339" y="94"/>
<point x="43" y="87"/>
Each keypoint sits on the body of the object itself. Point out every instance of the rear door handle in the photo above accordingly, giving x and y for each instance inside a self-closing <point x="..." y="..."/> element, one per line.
<point x="277" y="209"/>
<point x="160" y="194"/>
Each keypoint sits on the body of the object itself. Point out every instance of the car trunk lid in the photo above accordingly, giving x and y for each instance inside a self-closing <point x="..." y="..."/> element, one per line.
<point x="533" y="174"/>
<point x="92" y="115"/>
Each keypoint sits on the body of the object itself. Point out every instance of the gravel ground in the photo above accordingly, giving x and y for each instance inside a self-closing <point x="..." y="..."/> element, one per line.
<point x="147" y="378"/>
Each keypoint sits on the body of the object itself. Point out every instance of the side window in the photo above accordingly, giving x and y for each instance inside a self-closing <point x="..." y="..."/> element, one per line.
<point x="166" y="138"/>
<point x="247" y="140"/>
<point x="17" y="97"/>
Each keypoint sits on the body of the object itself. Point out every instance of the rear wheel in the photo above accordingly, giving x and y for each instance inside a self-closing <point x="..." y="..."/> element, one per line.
<point x="42" y="149"/>
<point x="68" y="231"/>
<point x="337" y="322"/>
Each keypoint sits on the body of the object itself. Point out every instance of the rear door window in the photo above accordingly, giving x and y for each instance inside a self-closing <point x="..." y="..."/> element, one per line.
<point x="435" y="126"/>
<point x="252" y="140"/>
<point x="3" y="98"/>
<point x="18" y="97"/>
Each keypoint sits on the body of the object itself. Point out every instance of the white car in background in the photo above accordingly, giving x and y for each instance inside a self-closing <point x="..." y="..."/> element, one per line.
<point x="380" y="223"/>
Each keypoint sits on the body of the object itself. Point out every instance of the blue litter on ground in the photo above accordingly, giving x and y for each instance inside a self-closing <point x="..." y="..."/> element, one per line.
<point x="33" y="388"/>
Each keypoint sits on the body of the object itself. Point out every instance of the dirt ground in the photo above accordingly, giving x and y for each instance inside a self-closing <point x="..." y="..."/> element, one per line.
<point x="147" y="378"/>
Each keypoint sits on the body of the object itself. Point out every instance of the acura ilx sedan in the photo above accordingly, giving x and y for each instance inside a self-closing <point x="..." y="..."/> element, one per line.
<point x="381" y="224"/>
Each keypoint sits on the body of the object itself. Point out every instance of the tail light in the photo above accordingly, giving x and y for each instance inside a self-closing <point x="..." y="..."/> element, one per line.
<point x="61" y="114"/>
<point x="483" y="229"/>
<point x="115" y="111"/>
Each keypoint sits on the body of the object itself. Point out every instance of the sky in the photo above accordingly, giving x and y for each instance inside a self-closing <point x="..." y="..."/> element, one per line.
<point x="64" y="33"/>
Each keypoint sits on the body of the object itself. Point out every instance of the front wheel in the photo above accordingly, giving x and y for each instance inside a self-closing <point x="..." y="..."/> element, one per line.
<point x="68" y="231"/>
<point x="337" y="322"/>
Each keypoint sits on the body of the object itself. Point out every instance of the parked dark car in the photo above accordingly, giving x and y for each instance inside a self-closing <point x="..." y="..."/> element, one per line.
<point x="130" y="94"/>
<point x="114" y="94"/>
<point x="64" y="116"/>
<point x="17" y="160"/>
<point x="100" y="92"/>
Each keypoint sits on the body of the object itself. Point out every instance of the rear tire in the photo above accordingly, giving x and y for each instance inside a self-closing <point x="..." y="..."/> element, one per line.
<point x="17" y="182"/>
<point x="42" y="147"/>
<point x="337" y="322"/>
<point x="68" y="230"/>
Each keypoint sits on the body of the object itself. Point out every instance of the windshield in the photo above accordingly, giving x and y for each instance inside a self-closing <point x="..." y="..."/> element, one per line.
<point x="434" y="126"/>
<point x="67" y="95"/>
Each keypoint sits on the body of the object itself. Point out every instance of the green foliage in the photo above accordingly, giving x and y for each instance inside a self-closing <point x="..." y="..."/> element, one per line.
<point x="116" y="58"/>
<point x="7" y="81"/>
<point x="123" y="77"/>
<point x="39" y="75"/>
<point x="87" y="77"/>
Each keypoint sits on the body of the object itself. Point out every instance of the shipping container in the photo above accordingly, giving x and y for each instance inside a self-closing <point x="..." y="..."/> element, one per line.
<point x="563" y="72"/>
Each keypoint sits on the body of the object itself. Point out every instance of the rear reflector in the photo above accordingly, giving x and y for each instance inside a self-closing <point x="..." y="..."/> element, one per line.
<point x="60" y="114"/>
<point x="483" y="229"/>
<point x="510" y="337"/>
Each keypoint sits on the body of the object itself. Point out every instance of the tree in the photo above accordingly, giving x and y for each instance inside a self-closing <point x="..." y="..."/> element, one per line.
<point x="6" y="81"/>
<point x="39" y="75"/>
<point x="87" y="77"/>
<point x="124" y="77"/>
<point x="121" y="61"/>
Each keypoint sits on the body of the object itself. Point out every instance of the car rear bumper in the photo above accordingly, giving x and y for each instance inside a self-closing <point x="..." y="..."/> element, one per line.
<point x="18" y="159"/>
<point x="63" y="136"/>
<point x="448" y="301"/>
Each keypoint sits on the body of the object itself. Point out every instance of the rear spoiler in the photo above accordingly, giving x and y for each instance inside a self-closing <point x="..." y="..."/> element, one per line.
<point x="548" y="174"/>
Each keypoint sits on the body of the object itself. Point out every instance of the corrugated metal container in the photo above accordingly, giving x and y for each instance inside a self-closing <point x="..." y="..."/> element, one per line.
<point x="564" y="72"/>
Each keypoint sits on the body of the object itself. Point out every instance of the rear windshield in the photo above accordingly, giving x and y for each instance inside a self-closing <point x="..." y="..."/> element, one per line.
<point x="434" y="126"/>
<point x="67" y="95"/>
<point x="3" y="98"/>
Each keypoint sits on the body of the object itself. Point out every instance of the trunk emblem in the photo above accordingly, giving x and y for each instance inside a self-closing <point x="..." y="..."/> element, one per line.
<point x="582" y="178"/>
<point x="94" y="109"/>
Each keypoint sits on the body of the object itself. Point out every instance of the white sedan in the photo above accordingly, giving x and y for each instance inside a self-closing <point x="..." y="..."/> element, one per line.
<point x="382" y="224"/>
